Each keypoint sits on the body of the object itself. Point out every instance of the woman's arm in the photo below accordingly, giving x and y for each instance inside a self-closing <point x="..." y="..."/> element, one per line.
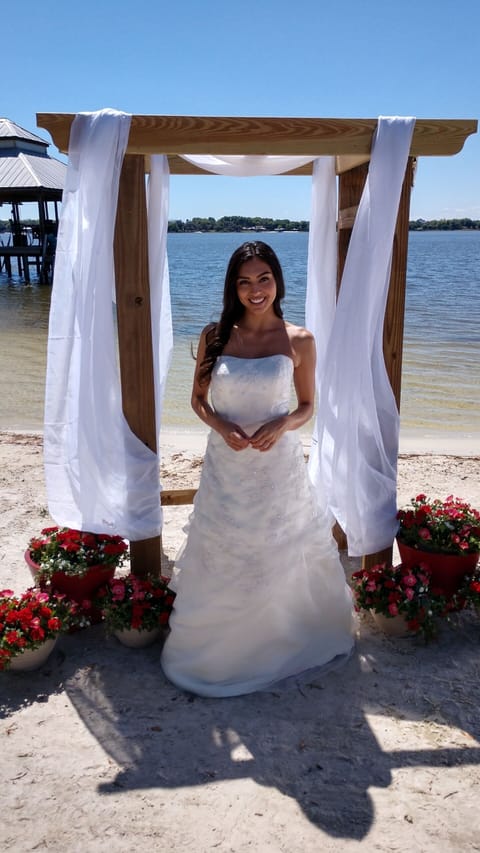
<point x="231" y="433"/>
<point x="303" y="346"/>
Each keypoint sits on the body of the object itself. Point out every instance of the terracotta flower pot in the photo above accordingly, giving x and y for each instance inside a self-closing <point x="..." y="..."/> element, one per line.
<point x="447" y="570"/>
<point x="135" y="639"/>
<point x="31" y="659"/>
<point x="394" y="626"/>
<point x="77" y="588"/>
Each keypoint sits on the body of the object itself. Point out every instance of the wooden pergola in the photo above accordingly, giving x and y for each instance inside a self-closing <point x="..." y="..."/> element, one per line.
<point x="348" y="140"/>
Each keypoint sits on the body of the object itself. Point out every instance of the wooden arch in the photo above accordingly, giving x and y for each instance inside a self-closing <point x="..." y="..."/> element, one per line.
<point x="348" y="140"/>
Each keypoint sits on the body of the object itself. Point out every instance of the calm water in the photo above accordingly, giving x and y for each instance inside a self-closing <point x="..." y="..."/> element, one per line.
<point x="440" y="385"/>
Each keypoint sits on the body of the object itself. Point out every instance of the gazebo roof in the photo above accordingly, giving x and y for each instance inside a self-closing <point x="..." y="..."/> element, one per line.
<point x="349" y="140"/>
<point x="14" y="134"/>
<point x="27" y="173"/>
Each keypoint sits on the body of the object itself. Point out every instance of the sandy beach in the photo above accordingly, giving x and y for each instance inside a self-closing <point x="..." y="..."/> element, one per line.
<point x="101" y="753"/>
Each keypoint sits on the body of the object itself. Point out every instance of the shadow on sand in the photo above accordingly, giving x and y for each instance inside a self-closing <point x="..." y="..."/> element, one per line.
<point x="312" y="739"/>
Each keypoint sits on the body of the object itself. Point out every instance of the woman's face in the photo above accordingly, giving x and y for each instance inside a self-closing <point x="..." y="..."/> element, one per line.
<point x="256" y="287"/>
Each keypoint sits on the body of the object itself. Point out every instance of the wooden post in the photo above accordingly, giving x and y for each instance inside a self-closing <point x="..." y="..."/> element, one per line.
<point x="134" y="330"/>
<point x="394" y="317"/>
<point x="350" y="189"/>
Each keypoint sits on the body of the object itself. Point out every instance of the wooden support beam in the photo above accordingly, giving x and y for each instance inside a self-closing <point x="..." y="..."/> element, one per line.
<point x="135" y="331"/>
<point x="177" y="497"/>
<point x="395" y="308"/>
<point x="350" y="189"/>
<point x="153" y="134"/>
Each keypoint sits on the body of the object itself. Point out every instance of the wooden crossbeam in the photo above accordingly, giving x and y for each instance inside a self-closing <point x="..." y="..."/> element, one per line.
<point x="340" y="137"/>
<point x="177" y="497"/>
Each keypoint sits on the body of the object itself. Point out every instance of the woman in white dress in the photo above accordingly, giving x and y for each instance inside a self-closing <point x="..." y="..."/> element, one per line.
<point x="261" y="592"/>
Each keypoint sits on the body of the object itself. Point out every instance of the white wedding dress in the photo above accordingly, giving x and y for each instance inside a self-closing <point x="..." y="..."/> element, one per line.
<point x="261" y="592"/>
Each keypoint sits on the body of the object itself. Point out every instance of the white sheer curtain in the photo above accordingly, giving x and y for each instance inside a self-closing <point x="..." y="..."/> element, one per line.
<point x="321" y="285"/>
<point x="239" y="165"/>
<point x="99" y="475"/>
<point x="162" y="332"/>
<point x="357" y="422"/>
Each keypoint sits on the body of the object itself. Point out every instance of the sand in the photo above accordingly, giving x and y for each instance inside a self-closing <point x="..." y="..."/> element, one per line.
<point x="101" y="753"/>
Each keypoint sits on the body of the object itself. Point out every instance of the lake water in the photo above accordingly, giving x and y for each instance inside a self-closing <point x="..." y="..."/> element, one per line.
<point x="440" y="382"/>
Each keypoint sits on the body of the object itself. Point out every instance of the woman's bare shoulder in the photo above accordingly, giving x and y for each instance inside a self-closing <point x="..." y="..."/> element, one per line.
<point x="208" y="330"/>
<point x="298" y="335"/>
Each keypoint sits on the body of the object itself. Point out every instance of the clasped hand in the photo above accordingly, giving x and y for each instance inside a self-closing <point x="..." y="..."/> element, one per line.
<point x="263" y="439"/>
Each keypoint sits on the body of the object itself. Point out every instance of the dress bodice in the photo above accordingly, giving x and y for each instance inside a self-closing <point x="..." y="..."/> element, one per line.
<point x="250" y="391"/>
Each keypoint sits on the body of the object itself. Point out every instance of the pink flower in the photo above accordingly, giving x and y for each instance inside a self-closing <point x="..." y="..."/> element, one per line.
<point x="118" y="591"/>
<point x="409" y="580"/>
<point x="409" y="593"/>
<point x="393" y="609"/>
<point x="371" y="586"/>
<point x="424" y="533"/>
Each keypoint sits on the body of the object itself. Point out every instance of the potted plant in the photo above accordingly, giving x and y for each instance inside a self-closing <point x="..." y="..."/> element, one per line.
<point x="135" y="609"/>
<point x="400" y="598"/>
<point x="470" y="591"/>
<point x="443" y="534"/>
<point x="30" y="624"/>
<point x="75" y="562"/>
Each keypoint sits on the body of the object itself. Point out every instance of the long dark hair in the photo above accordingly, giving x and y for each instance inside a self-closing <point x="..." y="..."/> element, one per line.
<point x="217" y="337"/>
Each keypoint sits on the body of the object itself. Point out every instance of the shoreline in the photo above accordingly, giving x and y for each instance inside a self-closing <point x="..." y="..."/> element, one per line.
<point x="190" y="440"/>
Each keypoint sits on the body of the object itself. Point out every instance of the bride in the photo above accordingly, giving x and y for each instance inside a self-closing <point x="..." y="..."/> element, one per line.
<point x="261" y="593"/>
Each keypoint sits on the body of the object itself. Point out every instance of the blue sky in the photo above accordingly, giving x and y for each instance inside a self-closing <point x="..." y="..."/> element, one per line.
<point x="342" y="58"/>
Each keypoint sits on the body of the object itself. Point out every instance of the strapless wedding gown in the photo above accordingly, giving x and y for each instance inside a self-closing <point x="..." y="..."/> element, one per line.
<point x="261" y="592"/>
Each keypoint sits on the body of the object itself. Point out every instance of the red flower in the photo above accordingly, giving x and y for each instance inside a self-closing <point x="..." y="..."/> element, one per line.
<point x="114" y="548"/>
<point x="12" y="637"/>
<point x="67" y="543"/>
<point x="424" y="533"/>
<point x="137" y="615"/>
<point x="37" y="633"/>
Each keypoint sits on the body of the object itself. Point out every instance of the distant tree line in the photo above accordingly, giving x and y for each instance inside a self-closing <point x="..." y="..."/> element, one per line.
<point x="236" y="223"/>
<point x="445" y="225"/>
<point x="257" y="223"/>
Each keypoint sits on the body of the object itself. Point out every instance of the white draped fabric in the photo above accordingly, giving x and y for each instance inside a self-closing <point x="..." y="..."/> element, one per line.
<point x="357" y="421"/>
<point x="162" y="332"/>
<point x="321" y="284"/>
<point x="242" y="166"/>
<point x="99" y="475"/>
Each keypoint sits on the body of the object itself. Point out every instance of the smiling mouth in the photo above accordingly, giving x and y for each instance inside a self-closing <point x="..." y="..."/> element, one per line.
<point x="257" y="301"/>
